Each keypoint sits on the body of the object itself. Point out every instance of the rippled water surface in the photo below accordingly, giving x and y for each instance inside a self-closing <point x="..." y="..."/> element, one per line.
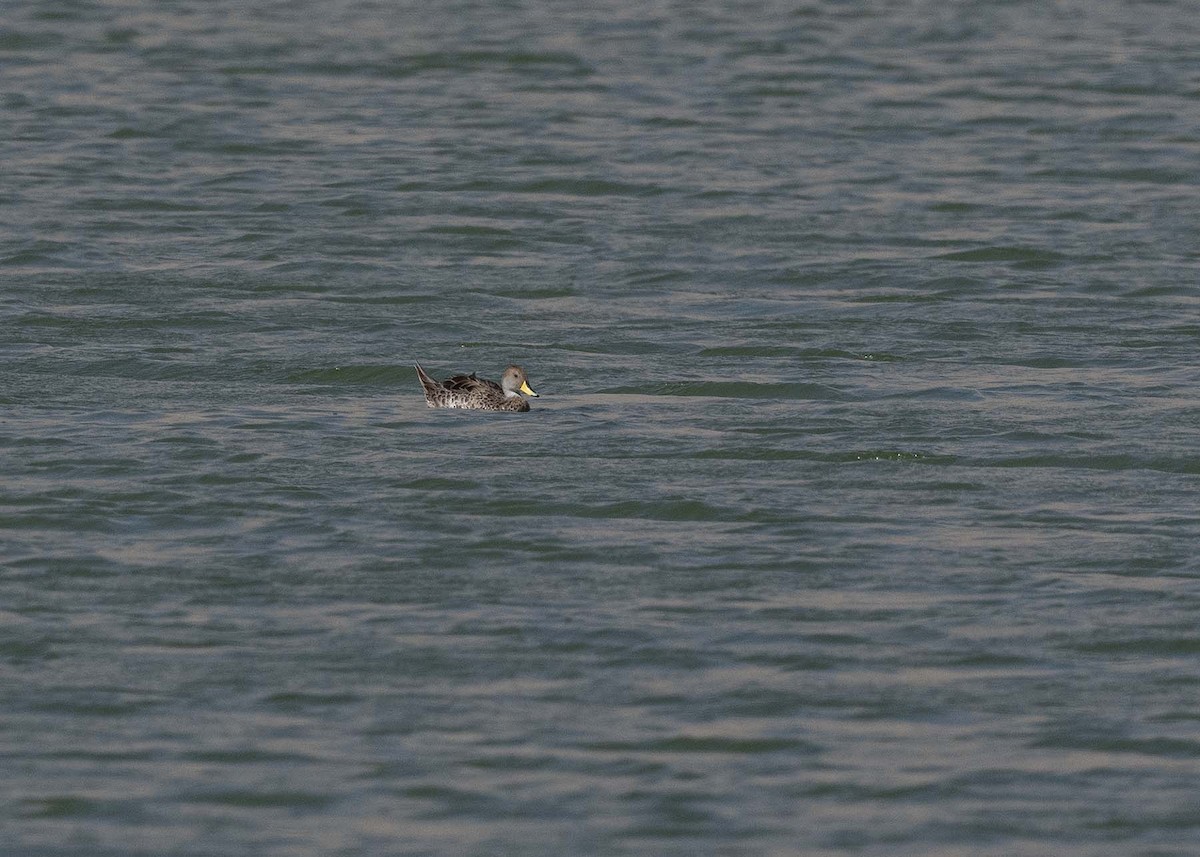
<point x="858" y="514"/>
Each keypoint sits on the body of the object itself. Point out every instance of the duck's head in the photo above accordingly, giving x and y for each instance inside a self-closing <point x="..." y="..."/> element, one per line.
<point x="514" y="381"/>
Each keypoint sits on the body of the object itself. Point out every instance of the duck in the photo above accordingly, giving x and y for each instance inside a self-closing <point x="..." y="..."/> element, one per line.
<point x="471" y="391"/>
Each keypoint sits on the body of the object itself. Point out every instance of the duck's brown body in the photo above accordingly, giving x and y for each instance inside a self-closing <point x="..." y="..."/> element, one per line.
<point x="475" y="393"/>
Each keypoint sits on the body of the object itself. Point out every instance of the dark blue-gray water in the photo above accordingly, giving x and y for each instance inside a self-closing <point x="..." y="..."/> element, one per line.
<point x="859" y="514"/>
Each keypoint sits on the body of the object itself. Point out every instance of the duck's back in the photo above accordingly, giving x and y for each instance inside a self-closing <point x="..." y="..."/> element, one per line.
<point x="471" y="384"/>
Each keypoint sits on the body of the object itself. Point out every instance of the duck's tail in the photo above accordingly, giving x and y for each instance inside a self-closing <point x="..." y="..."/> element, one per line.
<point x="429" y="385"/>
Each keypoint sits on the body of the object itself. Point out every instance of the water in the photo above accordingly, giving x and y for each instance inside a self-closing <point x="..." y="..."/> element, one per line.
<point x="858" y="514"/>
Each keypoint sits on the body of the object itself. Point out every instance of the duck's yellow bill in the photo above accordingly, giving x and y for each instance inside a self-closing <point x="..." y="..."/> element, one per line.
<point x="527" y="390"/>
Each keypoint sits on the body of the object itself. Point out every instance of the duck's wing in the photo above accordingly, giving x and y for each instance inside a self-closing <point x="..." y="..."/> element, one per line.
<point x="470" y="383"/>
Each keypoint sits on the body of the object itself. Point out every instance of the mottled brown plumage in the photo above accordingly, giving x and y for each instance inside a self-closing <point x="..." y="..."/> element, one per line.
<point x="470" y="391"/>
